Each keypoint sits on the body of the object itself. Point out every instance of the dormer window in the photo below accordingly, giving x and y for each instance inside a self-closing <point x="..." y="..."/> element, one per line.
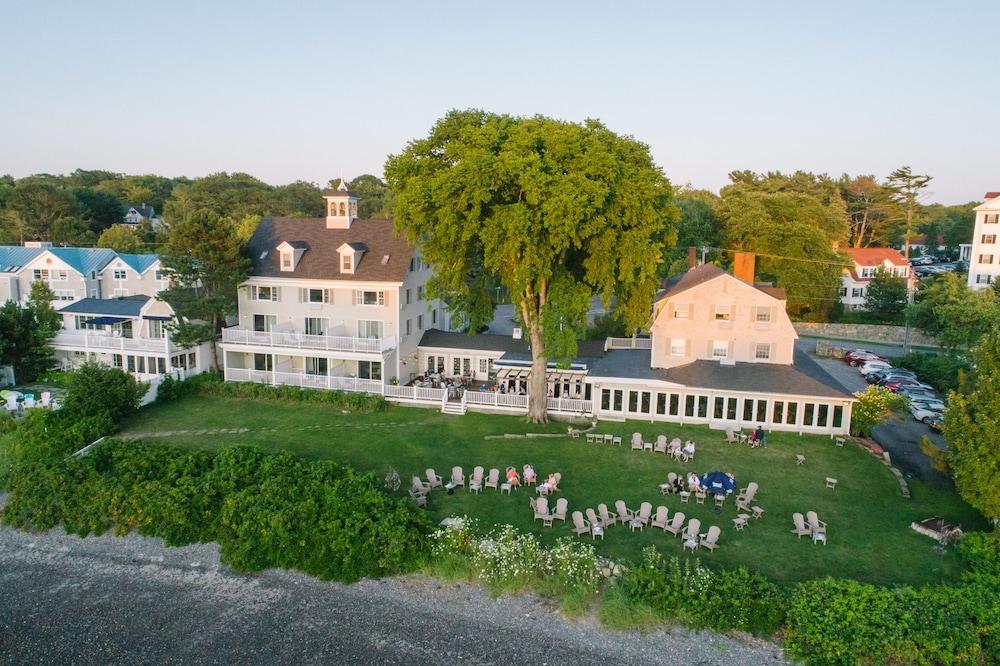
<point x="290" y="253"/>
<point x="347" y="263"/>
<point x="286" y="261"/>
<point x="350" y="256"/>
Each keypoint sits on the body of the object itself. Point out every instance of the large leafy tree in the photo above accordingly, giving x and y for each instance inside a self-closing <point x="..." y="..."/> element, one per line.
<point x="26" y="333"/>
<point x="204" y="263"/>
<point x="869" y="209"/>
<point x="957" y="315"/>
<point x="886" y="294"/>
<point x="972" y="429"/>
<point x="121" y="239"/>
<point x="554" y="211"/>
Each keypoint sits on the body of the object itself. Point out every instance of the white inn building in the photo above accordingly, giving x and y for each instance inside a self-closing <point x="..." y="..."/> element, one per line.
<point x="984" y="255"/>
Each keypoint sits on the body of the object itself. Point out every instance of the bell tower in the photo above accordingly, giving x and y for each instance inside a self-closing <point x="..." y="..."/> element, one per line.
<point x="341" y="207"/>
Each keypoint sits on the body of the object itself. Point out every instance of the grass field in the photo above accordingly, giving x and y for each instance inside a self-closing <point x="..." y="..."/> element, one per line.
<point x="868" y="520"/>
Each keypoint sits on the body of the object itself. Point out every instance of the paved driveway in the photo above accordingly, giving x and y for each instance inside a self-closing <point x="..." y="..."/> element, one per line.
<point x="900" y="438"/>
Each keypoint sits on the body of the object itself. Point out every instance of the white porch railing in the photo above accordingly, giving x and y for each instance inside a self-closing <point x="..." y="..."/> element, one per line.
<point x="415" y="393"/>
<point x="628" y="343"/>
<point x="303" y="380"/>
<point x="243" y="336"/>
<point x="97" y="342"/>
<point x="573" y="405"/>
<point x="492" y="398"/>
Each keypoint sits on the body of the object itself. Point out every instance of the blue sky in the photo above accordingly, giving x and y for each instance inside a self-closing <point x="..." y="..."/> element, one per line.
<point x="299" y="90"/>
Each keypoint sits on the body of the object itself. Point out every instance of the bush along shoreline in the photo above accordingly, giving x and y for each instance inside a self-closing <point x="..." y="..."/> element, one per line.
<point x="278" y="510"/>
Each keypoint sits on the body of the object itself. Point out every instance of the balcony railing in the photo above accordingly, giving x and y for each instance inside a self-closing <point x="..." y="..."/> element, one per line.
<point x="243" y="336"/>
<point x="303" y="380"/>
<point x="628" y="343"/>
<point x="97" y="342"/>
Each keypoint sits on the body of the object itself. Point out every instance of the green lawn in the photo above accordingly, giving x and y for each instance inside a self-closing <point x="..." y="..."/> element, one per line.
<point x="868" y="520"/>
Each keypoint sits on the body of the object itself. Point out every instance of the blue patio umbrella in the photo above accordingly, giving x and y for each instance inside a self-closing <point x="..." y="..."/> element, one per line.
<point x="718" y="483"/>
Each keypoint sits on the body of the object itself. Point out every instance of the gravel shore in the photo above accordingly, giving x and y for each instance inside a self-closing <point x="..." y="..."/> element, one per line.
<point x="132" y="600"/>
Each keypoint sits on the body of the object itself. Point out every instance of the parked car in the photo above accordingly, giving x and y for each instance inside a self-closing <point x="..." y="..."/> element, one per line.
<point x="880" y="376"/>
<point x="856" y="357"/>
<point x="873" y="366"/>
<point x="924" y="415"/>
<point x="921" y="261"/>
<point x="919" y="393"/>
<point x="932" y="404"/>
<point x="895" y="384"/>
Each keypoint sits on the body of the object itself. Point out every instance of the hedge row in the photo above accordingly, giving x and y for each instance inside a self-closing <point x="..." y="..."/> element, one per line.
<point x="264" y="510"/>
<point x="212" y="384"/>
<point x="942" y="371"/>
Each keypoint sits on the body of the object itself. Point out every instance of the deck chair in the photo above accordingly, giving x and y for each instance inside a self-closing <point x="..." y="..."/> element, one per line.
<point x="590" y="438"/>
<point x="493" y="479"/>
<point x="457" y="476"/>
<point x="801" y="529"/>
<point x="816" y="526"/>
<point x="419" y="498"/>
<point x="747" y="494"/>
<point x="580" y="526"/>
<point x="541" y="507"/>
<point x="596" y="529"/>
<point x="525" y="479"/>
<point x="691" y="531"/>
<point x="661" y="444"/>
<point x="558" y="476"/>
<point x="433" y="480"/>
<point x="645" y="511"/>
<point x="711" y="540"/>
<point x="637" y="441"/>
<point x="675" y="524"/>
<point x="46" y="399"/>
<point x="608" y="518"/>
<point x="624" y="513"/>
<point x="562" y="506"/>
<point x="731" y="436"/>
<point x="592" y="517"/>
<point x="419" y="486"/>
<point x="476" y="478"/>
<point x="668" y="487"/>
<point x="660" y="519"/>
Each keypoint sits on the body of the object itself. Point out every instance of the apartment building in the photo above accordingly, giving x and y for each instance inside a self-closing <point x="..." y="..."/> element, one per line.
<point x="75" y="273"/>
<point x="127" y="332"/>
<point x="867" y="262"/>
<point x="335" y="302"/>
<point x="984" y="256"/>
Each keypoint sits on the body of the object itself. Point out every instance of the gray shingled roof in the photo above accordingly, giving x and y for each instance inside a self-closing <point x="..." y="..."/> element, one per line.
<point x="804" y="377"/>
<point x="513" y="349"/>
<point x="321" y="261"/>
<point x="704" y="273"/>
<point x="125" y="306"/>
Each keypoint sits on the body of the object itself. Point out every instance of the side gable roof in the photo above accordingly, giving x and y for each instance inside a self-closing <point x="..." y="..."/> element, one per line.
<point x="125" y="306"/>
<point x="140" y="263"/>
<point x="872" y="256"/>
<point x="13" y="257"/>
<point x="699" y="275"/>
<point x="321" y="260"/>
<point x="83" y="259"/>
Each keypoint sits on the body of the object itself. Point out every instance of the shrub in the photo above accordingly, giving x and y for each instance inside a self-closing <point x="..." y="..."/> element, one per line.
<point x="875" y="404"/>
<point x="95" y="389"/>
<point x="942" y="371"/>
<point x="264" y="510"/>
<point x="507" y="560"/>
<point x="452" y="548"/>
<point x="670" y="587"/>
<point x="571" y="573"/>
<point x="213" y="384"/>
<point x="742" y="600"/>
<point x="171" y="389"/>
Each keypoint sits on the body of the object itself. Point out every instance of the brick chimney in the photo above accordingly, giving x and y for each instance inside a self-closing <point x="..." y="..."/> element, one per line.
<point x="743" y="266"/>
<point x="692" y="257"/>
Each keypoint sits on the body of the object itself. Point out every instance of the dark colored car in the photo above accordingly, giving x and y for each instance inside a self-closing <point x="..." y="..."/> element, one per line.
<point x="856" y="357"/>
<point x="880" y="376"/>
<point x="894" y="384"/>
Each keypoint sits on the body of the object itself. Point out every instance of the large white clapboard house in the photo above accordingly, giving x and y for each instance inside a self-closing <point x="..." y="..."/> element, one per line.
<point x="339" y="303"/>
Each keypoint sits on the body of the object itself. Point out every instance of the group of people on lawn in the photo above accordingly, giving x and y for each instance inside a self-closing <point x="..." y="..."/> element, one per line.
<point x="693" y="484"/>
<point x="530" y="478"/>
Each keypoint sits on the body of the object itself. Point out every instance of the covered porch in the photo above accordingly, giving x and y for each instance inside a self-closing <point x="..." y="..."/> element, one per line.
<point x="283" y="369"/>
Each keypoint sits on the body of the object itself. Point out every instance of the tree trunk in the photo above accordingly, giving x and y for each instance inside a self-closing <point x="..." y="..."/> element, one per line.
<point x="537" y="384"/>
<point x="214" y="341"/>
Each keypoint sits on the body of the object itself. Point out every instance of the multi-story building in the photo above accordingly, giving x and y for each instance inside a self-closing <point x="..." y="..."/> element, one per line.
<point x="984" y="256"/>
<point x="334" y="302"/>
<point x="128" y="332"/>
<point x="75" y="273"/>
<point x="136" y="215"/>
<point x="867" y="262"/>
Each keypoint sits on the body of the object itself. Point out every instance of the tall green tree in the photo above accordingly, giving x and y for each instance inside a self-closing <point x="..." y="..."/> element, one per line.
<point x="554" y="211"/>
<point x="26" y="333"/>
<point x="121" y="239"/>
<point x="905" y="188"/>
<point x="958" y="316"/>
<point x="972" y="429"/>
<point x="886" y="294"/>
<point x="869" y="208"/>
<point x="204" y="263"/>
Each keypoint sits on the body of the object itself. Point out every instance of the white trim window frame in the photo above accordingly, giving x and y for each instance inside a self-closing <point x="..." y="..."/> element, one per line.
<point x="762" y="351"/>
<point x="265" y="293"/>
<point x="678" y="347"/>
<point x="120" y="274"/>
<point x="720" y="349"/>
<point x="723" y="313"/>
<point x="369" y="297"/>
<point x="370" y="328"/>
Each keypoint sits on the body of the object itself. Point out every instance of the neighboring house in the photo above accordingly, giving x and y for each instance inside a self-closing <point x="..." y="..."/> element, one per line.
<point x="130" y="333"/>
<point x="965" y="252"/>
<point x="918" y="243"/>
<point x="134" y="216"/>
<point x="867" y="262"/>
<point x="76" y="273"/>
<point x="721" y="352"/>
<point x="984" y="256"/>
<point x="335" y="302"/>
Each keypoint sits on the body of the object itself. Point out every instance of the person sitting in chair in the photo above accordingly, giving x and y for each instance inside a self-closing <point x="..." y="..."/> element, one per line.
<point x="678" y="485"/>
<point x="694" y="483"/>
<point x="512" y="477"/>
<point x="529" y="474"/>
<point x="552" y="483"/>
<point x="689" y="449"/>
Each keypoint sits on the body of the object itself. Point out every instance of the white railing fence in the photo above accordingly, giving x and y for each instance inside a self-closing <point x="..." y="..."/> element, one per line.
<point x="106" y="343"/>
<point x="628" y="343"/>
<point x="245" y="336"/>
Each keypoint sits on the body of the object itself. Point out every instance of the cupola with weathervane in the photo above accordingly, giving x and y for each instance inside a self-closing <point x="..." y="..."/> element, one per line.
<point x="341" y="207"/>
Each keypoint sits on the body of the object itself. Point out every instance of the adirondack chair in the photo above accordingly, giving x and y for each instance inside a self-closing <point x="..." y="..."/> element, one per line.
<point x="580" y="526"/>
<point x="608" y="518"/>
<point x="801" y="529"/>
<point x="710" y="540"/>
<point x="433" y="480"/>
<point x="675" y="524"/>
<point x="493" y="479"/>
<point x="660" y="519"/>
<point x="562" y="505"/>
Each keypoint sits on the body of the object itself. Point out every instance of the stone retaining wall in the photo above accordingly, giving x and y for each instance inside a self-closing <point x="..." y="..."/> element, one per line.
<point x="863" y="332"/>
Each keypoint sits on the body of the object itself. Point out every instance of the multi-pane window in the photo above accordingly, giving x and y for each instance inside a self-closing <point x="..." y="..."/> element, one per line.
<point x="370" y="370"/>
<point x="370" y="297"/>
<point x="762" y="351"/>
<point x="986" y="258"/>
<point x="40" y="274"/>
<point x="984" y="278"/>
<point x="315" y="295"/>
<point x="868" y="271"/>
<point x="64" y="295"/>
<point x="315" y="326"/>
<point x="682" y="311"/>
<point x="286" y="261"/>
<point x="369" y="329"/>
<point x="263" y="362"/>
<point x="120" y="274"/>
<point x="991" y="219"/>
<point x="347" y="263"/>
<point x="316" y="366"/>
<point x="720" y="348"/>
<point x="157" y="275"/>
<point x="843" y="291"/>
<point x="117" y="360"/>
<point x="420" y="293"/>
<point x="763" y="313"/>
<point x="857" y="292"/>
<point x="264" y="323"/>
<point x="678" y="347"/>
<point x="989" y="239"/>
<point x="155" y="328"/>
<point x="264" y="293"/>
<point x="420" y="322"/>
<point x="723" y="312"/>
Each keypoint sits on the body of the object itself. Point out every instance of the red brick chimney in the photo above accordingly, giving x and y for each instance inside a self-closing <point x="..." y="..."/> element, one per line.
<point x="692" y="257"/>
<point x="743" y="266"/>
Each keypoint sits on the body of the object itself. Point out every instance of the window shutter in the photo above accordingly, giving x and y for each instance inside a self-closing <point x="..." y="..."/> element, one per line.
<point x="253" y="292"/>
<point x="356" y="297"/>
<point x="275" y="294"/>
<point x="303" y="294"/>
<point x="326" y="295"/>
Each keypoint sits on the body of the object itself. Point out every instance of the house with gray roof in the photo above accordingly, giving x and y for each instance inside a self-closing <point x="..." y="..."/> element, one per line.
<point x="136" y="214"/>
